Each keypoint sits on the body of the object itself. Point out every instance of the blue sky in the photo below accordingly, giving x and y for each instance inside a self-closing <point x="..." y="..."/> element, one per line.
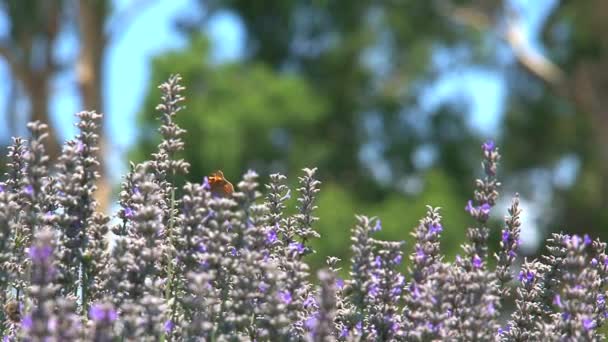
<point x="151" y="32"/>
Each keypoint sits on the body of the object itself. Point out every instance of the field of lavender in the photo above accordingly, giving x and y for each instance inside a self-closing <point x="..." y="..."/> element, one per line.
<point x="197" y="263"/>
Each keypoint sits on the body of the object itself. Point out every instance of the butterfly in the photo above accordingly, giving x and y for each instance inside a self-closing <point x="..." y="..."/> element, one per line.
<point x="12" y="311"/>
<point x="219" y="185"/>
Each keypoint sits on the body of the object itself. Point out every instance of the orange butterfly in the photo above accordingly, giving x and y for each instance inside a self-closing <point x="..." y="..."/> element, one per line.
<point x="220" y="186"/>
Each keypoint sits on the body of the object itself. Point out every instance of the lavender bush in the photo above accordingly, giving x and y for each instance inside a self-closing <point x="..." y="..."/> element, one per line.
<point x="188" y="264"/>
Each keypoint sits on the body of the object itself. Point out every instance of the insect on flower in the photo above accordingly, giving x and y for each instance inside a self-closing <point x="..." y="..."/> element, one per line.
<point x="220" y="186"/>
<point x="12" y="311"/>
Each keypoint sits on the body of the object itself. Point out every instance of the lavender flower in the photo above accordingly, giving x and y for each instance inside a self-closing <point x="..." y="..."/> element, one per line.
<point x="185" y="265"/>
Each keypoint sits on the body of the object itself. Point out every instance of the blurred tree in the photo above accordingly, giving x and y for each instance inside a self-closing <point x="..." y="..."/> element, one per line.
<point x="30" y="49"/>
<point x="556" y="122"/>
<point x="336" y="87"/>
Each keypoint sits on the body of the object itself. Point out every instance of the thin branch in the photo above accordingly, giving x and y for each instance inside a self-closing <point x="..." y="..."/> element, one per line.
<point x="536" y="63"/>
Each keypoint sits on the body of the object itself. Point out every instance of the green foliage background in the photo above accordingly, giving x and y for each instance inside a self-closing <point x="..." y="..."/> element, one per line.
<point x="338" y="86"/>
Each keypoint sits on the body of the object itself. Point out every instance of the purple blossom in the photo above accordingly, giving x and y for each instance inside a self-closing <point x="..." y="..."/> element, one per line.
<point x="477" y="261"/>
<point x="505" y="236"/>
<point x="507" y="328"/>
<point x="414" y="291"/>
<point x="488" y="146"/>
<point x="374" y="290"/>
<point x="202" y="248"/>
<point x="271" y="237"/>
<point x="359" y="327"/>
<point x="169" y="325"/>
<point x="594" y="262"/>
<point x="340" y="283"/>
<point x="397" y="259"/>
<point x="587" y="239"/>
<point x="378" y="226"/>
<point x="491" y="310"/>
<point x="378" y="262"/>
<point x="309" y="301"/>
<point x="263" y="287"/>
<point x="296" y="247"/>
<point x="527" y="276"/>
<point x="588" y="324"/>
<point x="311" y="323"/>
<point x="601" y="300"/>
<point x="575" y="240"/>
<point x="557" y="300"/>
<point x="29" y="190"/>
<point x="79" y="146"/>
<point x="206" y="184"/>
<point x="40" y="253"/>
<point x="420" y="255"/>
<point x="102" y="313"/>
<point x="469" y="208"/>
<point x="435" y="228"/>
<point x="129" y="212"/>
<point x="27" y="322"/>
<point x="485" y="209"/>
<point x="285" y="297"/>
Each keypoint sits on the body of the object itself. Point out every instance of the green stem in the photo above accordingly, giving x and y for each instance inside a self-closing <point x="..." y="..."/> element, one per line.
<point x="170" y="271"/>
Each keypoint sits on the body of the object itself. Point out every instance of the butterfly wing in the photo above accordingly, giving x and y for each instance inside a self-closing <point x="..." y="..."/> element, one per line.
<point x="219" y="185"/>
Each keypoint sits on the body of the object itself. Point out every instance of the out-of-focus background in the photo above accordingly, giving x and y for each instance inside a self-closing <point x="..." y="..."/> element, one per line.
<point x="389" y="99"/>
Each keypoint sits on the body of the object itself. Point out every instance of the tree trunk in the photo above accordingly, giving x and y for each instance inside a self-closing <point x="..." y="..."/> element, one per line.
<point x="89" y="71"/>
